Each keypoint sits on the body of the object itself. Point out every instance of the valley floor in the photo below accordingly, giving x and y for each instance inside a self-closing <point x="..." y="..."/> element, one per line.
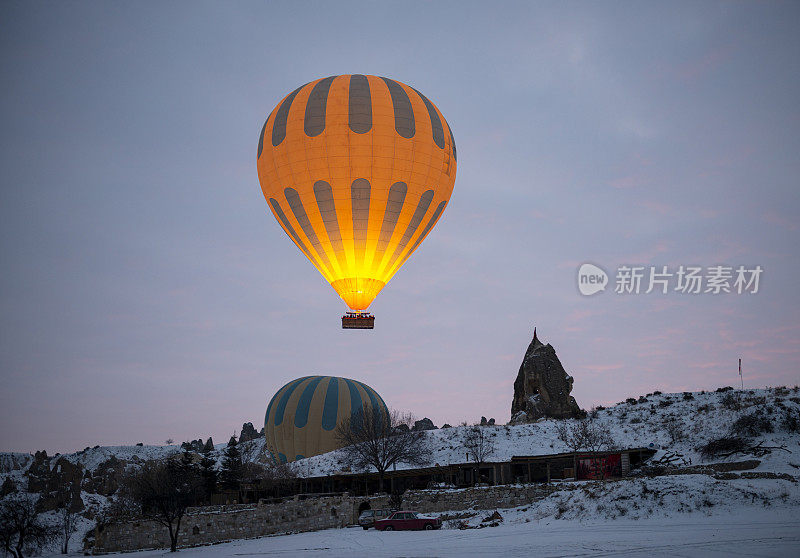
<point x="768" y="532"/>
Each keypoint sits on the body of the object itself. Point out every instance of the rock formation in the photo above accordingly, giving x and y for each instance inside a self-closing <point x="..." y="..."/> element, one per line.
<point x="424" y="424"/>
<point x="248" y="432"/>
<point x="542" y="386"/>
<point x="57" y="480"/>
<point x="14" y="461"/>
<point x="194" y="445"/>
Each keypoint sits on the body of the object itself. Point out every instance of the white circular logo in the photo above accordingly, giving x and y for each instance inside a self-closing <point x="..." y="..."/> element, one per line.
<point x="591" y="279"/>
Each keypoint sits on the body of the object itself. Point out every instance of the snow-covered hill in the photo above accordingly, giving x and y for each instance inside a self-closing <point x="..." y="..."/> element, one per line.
<point x="675" y="422"/>
<point x="672" y="423"/>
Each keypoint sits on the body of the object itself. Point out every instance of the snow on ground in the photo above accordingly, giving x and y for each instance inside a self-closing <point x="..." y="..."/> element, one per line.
<point x="658" y="497"/>
<point x="769" y="533"/>
<point x="676" y="515"/>
<point x="676" y="421"/>
<point x="680" y="515"/>
<point x="91" y="458"/>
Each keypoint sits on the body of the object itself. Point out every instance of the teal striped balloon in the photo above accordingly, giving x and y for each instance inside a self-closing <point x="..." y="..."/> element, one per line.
<point x="302" y="416"/>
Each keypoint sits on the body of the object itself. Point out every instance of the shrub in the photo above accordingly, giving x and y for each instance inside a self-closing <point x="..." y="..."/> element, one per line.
<point x="456" y="524"/>
<point x="730" y="401"/>
<point x="722" y="446"/>
<point x="396" y="500"/>
<point x="656" y="393"/>
<point x="751" y="425"/>
<point x="674" y="429"/>
<point x="687" y="396"/>
<point x="758" y="400"/>
<point x="724" y="389"/>
<point x="791" y="420"/>
<point x="630" y="401"/>
<point x="665" y="402"/>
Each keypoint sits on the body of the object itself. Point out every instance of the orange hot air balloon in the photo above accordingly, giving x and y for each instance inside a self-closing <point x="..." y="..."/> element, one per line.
<point x="357" y="170"/>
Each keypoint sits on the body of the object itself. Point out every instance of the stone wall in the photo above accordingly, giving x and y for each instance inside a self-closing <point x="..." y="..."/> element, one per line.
<point x="216" y="524"/>
<point x="484" y="498"/>
<point x="224" y="523"/>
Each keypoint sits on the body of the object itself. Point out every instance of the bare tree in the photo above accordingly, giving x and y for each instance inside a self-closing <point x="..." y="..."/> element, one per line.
<point x="584" y="435"/>
<point x="372" y="438"/>
<point x="21" y="529"/>
<point x="67" y="525"/>
<point x="68" y="503"/>
<point x="588" y="435"/>
<point x="479" y="446"/>
<point x="278" y="479"/>
<point x="164" y="491"/>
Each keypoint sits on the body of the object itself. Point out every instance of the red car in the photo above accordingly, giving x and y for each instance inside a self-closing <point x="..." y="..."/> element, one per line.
<point x="407" y="520"/>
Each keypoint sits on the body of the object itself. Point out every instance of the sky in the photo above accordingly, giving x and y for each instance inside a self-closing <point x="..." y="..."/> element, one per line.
<point x="147" y="293"/>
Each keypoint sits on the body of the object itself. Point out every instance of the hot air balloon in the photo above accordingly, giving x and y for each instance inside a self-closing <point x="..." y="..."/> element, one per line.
<point x="302" y="416"/>
<point x="357" y="170"/>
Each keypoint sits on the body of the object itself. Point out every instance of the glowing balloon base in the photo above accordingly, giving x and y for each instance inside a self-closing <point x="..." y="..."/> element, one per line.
<point x="358" y="292"/>
<point x="358" y="320"/>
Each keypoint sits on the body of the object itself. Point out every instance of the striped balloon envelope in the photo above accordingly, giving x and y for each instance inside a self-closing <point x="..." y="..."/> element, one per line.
<point x="357" y="170"/>
<point x="302" y="416"/>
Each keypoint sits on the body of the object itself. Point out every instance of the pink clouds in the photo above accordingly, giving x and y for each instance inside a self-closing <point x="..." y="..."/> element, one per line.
<point x="775" y="218"/>
<point x="629" y="181"/>
<point x="703" y="65"/>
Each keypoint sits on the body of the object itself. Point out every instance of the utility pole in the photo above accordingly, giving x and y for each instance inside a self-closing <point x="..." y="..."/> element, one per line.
<point x="740" y="373"/>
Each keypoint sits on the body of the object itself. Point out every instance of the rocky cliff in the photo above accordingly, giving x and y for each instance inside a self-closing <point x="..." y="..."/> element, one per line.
<point x="542" y="388"/>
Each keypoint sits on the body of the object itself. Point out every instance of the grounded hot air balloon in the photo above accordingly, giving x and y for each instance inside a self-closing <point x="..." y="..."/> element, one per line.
<point x="357" y="170"/>
<point x="302" y="416"/>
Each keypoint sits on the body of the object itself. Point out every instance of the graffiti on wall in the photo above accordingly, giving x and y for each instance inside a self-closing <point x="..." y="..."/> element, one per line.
<point x="599" y="467"/>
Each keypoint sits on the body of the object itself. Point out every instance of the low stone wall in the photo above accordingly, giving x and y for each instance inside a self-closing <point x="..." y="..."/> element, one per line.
<point x="200" y="526"/>
<point x="216" y="524"/>
<point x="484" y="498"/>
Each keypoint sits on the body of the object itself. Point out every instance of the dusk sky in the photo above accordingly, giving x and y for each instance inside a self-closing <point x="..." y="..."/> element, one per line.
<point x="148" y="293"/>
